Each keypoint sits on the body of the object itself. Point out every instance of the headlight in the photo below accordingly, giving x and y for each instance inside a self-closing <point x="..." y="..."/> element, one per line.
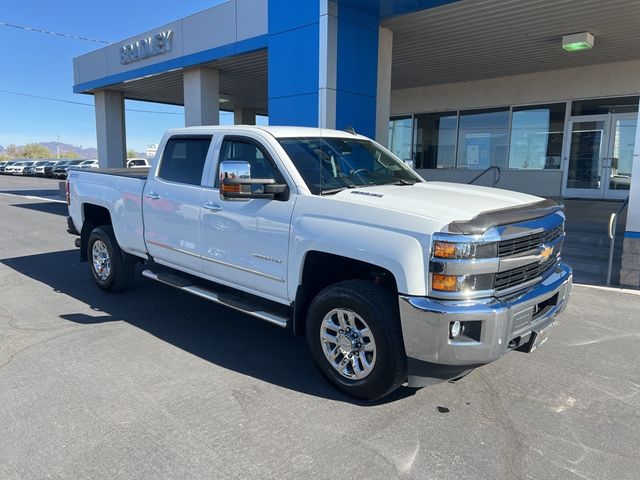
<point x="462" y="250"/>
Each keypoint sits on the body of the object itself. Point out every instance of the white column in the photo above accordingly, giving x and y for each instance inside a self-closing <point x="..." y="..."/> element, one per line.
<point x="201" y="97"/>
<point x="244" y="116"/>
<point x="328" y="61"/>
<point x="630" y="273"/>
<point x="110" y="128"/>
<point x="383" y="95"/>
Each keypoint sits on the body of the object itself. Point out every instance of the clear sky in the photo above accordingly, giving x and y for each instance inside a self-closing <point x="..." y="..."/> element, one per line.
<point x="40" y="64"/>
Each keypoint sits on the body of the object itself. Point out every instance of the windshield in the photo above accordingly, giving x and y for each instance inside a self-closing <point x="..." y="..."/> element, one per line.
<point x="329" y="165"/>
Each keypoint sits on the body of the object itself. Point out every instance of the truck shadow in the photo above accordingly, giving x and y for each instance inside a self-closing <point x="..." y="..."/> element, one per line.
<point x="216" y="334"/>
<point x="45" y="207"/>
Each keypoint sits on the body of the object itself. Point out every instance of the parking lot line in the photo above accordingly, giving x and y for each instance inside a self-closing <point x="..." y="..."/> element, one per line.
<point x="33" y="197"/>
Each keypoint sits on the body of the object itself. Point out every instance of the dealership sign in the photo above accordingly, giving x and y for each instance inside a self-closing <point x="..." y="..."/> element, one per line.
<point x="146" y="47"/>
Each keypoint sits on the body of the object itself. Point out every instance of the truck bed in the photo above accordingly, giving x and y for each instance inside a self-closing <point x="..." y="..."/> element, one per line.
<point x="118" y="190"/>
<point x="140" y="173"/>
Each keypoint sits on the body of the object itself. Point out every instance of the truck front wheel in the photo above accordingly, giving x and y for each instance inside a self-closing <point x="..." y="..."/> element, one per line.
<point x="354" y="334"/>
<point x="109" y="268"/>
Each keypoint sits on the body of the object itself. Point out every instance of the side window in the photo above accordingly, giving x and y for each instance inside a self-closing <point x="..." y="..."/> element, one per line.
<point x="184" y="158"/>
<point x="261" y="165"/>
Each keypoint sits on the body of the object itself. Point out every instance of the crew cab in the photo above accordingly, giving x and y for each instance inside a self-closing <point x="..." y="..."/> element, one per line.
<point x="392" y="278"/>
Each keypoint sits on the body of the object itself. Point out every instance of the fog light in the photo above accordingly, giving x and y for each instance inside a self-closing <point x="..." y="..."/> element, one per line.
<point x="444" y="283"/>
<point x="455" y="329"/>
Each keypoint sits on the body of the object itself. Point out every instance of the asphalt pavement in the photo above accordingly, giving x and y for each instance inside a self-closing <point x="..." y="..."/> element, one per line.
<point x="155" y="384"/>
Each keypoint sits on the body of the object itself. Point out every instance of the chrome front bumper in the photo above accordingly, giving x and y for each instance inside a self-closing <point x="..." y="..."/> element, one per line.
<point x="498" y="325"/>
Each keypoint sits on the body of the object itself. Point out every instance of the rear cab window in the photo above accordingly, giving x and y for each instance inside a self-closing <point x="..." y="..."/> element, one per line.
<point x="184" y="158"/>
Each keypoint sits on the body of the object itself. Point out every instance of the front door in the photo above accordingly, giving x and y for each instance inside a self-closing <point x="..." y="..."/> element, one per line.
<point x="245" y="242"/>
<point x="599" y="156"/>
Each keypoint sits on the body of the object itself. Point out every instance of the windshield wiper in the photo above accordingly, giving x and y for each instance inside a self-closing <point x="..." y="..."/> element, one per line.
<point x="402" y="181"/>
<point x="329" y="191"/>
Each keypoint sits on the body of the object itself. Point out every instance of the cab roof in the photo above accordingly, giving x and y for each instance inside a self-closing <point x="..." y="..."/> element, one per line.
<point x="276" y="131"/>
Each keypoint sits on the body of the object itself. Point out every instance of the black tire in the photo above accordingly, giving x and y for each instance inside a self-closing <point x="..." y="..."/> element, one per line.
<point x="120" y="272"/>
<point x="379" y="309"/>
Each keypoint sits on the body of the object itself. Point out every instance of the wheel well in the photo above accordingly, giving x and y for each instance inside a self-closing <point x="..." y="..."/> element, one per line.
<point x="324" y="269"/>
<point x="93" y="216"/>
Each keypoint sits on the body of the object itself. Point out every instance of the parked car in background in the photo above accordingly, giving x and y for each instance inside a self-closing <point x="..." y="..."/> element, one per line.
<point x="9" y="168"/>
<point x="22" y="169"/>
<point x="138" y="163"/>
<point x="48" y="169"/>
<point x="31" y="169"/>
<point x="15" y="168"/>
<point x="5" y="165"/>
<point x="40" y="169"/>
<point x="92" y="163"/>
<point x="61" y="169"/>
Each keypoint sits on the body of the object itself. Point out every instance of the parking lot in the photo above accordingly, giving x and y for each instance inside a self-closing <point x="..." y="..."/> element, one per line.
<point x="153" y="383"/>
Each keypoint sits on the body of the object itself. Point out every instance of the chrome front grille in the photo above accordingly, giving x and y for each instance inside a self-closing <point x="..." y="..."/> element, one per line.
<point x="528" y="242"/>
<point x="518" y="276"/>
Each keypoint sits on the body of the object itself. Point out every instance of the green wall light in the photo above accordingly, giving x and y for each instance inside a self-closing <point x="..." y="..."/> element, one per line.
<point x="578" y="41"/>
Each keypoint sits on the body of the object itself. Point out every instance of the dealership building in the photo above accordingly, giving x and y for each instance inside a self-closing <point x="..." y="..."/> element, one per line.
<point x="546" y="90"/>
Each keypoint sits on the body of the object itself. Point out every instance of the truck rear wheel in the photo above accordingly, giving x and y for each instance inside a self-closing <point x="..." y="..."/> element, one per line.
<point x="109" y="268"/>
<point x="354" y="334"/>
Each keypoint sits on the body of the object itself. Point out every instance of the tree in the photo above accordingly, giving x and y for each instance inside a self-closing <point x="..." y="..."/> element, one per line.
<point x="12" y="151"/>
<point x="131" y="153"/>
<point x="34" y="150"/>
<point x="70" y="155"/>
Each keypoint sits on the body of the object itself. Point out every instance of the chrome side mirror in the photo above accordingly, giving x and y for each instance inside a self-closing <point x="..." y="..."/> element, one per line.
<point x="235" y="170"/>
<point x="236" y="183"/>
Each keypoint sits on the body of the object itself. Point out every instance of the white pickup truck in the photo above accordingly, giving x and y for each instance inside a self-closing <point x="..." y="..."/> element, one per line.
<point x="392" y="278"/>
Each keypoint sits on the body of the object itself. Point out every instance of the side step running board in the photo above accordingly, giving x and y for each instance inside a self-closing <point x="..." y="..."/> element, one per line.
<point x="255" y="309"/>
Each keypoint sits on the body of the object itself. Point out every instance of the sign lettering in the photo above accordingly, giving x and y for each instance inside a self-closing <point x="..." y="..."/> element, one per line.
<point x="146" y="47"/>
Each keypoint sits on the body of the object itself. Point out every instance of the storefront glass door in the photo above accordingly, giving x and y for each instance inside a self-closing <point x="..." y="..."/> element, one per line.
<point x="599" y="156"/>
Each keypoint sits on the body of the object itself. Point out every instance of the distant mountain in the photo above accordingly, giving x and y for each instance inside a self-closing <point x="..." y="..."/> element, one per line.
<point x="66" y="148"/>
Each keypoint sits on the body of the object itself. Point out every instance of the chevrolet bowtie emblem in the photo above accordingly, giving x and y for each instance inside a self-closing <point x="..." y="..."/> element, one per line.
<point x="545" y="252"/>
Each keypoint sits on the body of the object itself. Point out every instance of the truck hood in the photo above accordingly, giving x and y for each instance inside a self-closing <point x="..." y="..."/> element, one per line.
<point x="442" y="201"/>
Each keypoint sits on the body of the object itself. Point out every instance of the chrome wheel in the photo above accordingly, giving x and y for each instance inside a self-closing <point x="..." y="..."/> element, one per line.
<point x="348" y="344"/>
<point x="101" y="260"/>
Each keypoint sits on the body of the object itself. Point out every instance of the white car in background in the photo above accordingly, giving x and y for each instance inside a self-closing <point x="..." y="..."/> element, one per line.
<point x="40" y="169"/>
<point x="19" y="168"/>
<point x="31" y="169"/>
<point x="10" y="169"/>
<point x="92" y="163"/>
<point x="138" y="163"/>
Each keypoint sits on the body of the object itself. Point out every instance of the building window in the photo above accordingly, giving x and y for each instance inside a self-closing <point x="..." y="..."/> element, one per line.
<point x="483" y="139"/>
<point x="400" y="131"/>
<point x="435" y="140"/>
<point x="536" y="136"/>
<point x="603" y="106"/>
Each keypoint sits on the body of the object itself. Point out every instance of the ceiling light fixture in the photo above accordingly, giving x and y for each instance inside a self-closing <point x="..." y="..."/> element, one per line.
<point x="578" y="41"/>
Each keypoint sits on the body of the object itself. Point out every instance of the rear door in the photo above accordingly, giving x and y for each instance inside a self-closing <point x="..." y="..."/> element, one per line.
<point x="171" y="203"/>
<point x="245" y="242"/>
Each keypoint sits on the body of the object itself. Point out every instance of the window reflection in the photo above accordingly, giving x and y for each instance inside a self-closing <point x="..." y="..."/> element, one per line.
<point x="536" y="136"/>
<point x="623" y="149"/>
<point x="483" y="139"/>
<point x="400" y="132"/>
<point x="435" y="140"/>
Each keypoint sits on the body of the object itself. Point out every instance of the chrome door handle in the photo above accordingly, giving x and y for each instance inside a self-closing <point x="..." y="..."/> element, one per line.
<point x="152" y="195"/>
<point x="213" y="207"/>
